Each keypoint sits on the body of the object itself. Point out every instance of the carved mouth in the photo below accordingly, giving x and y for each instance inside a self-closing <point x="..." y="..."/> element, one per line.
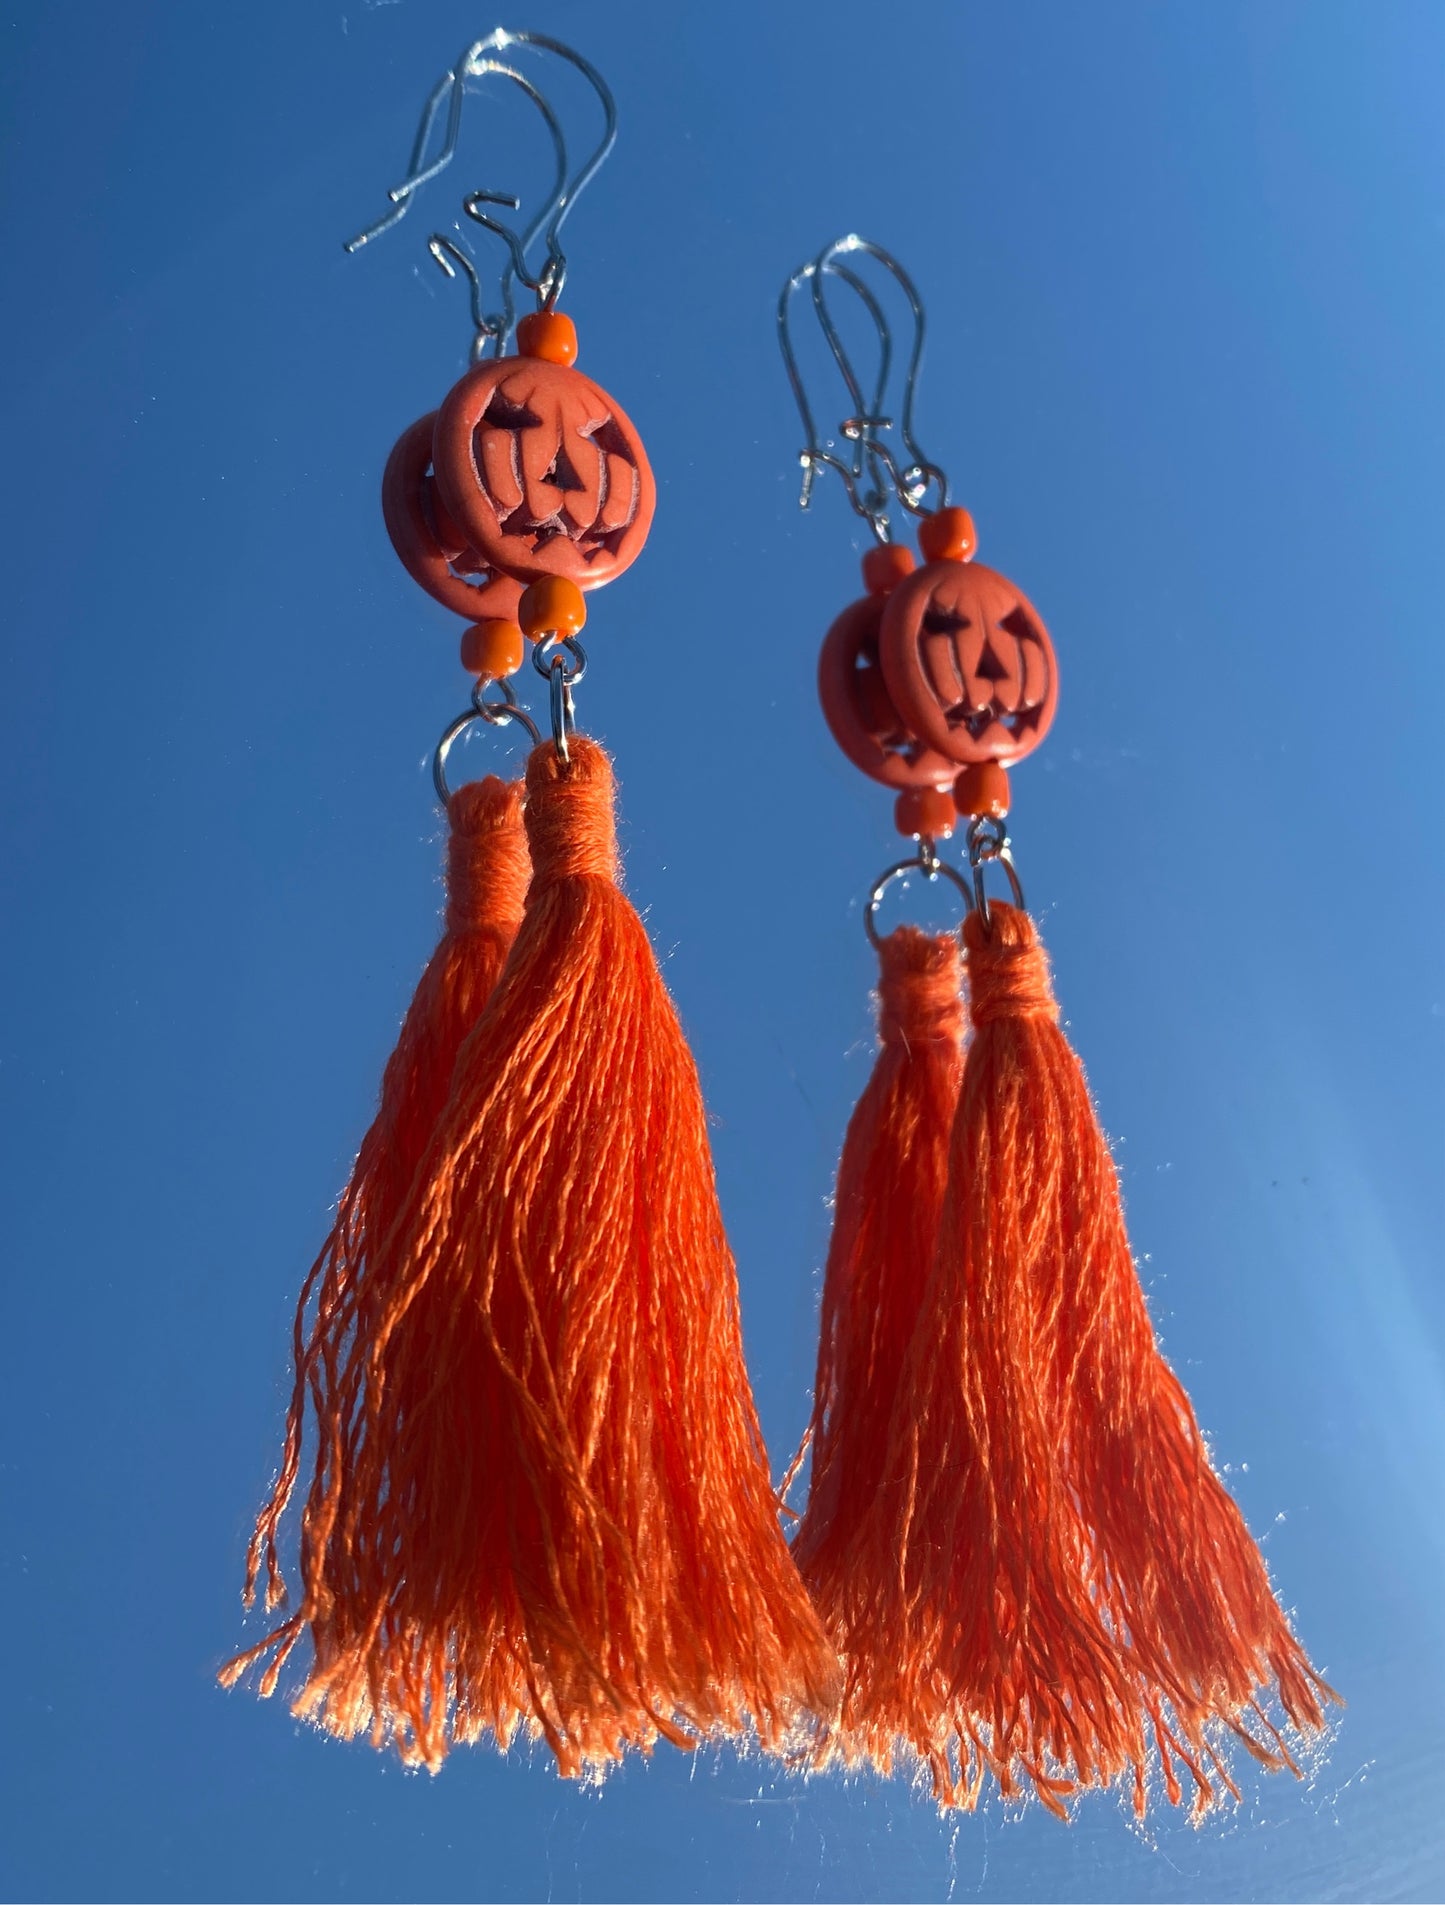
<point x="589" y="538"/>
<point x="981" y="721"/>
<point x="469" y="568"/>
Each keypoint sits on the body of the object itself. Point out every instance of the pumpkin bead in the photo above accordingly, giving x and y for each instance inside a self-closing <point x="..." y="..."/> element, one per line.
<point x="968" y="663"/>
<point x="550" y="335"/>
<point x="925" y="812"/>
<point x="859" y="710"/>
<point x="885" y="565"/>
<point x="982" y="790"/>
<point x="424" y="534"/>
<point x="493" y="648"/>
<point x="948" y="536"/>
<point x="542" y="471"/>
<point x="553" y="605"/>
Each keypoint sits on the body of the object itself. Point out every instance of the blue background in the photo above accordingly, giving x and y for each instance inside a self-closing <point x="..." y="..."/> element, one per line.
<point x="1183" y="264"/>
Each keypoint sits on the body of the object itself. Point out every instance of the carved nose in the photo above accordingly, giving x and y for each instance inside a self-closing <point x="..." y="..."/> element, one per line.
<point x="985" y="675"/>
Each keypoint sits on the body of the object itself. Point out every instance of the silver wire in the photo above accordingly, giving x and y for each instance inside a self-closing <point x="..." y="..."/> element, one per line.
<point x="873" y="459"/>
<point x="477" y="63"/>
<point x="495" y="328"/>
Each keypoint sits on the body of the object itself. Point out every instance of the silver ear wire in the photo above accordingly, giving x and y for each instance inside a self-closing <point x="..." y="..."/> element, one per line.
<point x="478" y="62"/>
<point x="452" y="258"/>
<point x="873" y="474"/>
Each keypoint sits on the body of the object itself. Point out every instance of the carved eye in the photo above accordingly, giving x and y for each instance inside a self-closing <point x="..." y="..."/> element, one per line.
<point x="502" y="414"/>
<point x="944" y="621"/>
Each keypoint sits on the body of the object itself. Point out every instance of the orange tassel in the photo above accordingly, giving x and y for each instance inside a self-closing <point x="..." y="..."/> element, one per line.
<point x="889" y="1195"/>
<point x="605" y="1565"/>
<point x="1078" y="1593"/>
<point x="355" y="1279"/>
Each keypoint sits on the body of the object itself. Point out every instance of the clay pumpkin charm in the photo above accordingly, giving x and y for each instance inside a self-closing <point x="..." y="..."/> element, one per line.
<point x="540" y="469"/>
<point x="968" y="663"/>
<point x="432" y="549"/>
<point x="860" y="712"/>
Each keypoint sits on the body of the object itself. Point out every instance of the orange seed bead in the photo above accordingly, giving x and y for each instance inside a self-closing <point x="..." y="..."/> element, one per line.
<point x="925" y="810"/>
<point x="885" y="565"/>
<point x="552" y="605"/>
<point x="493" y="648"/>
<point x="982" y="789"/>
<point x="948" y="536"/>
<point x="550" y="335"/>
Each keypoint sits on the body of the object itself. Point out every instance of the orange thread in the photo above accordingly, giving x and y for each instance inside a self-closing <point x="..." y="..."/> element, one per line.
<point x="354" y="1278"/>
<point x="1075" y="1590"/>
<point x="583" y="1461"/>
<point x="889" y="1194"/>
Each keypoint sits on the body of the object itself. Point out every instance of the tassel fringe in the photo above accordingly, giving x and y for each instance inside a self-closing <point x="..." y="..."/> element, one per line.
<point x="353" y="1287"/>
<point x="555" y="1400"/>
<point x="1076" y="1594"/>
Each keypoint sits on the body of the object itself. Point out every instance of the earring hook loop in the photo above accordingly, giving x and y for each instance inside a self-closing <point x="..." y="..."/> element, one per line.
<point x="477" y="63"/>
<point x="873" y="458"/>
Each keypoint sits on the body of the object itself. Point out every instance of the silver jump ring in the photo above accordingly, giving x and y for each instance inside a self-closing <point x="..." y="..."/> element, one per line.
<point x="496" y="714"/>
<point x="547" y="654"/>
<point x="926" y="862"/>
<point x="499" y="713"/>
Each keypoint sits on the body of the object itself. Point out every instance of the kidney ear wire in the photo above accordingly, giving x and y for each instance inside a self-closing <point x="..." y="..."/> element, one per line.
<point x="873" y="473"/>
<point x="492" y="330"/>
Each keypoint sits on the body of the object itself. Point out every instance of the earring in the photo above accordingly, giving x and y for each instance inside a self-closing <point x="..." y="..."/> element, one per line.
<point x="1014" y="1533"/>
<point x="540" y="1498"/>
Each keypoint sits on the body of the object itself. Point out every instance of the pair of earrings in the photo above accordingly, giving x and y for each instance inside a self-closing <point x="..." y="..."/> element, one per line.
<point x="1014" y="1533"/>
<point x="539" y="1497"/>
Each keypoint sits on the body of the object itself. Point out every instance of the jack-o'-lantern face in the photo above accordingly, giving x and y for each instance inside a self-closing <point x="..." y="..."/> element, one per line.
<point x="859" y="709"/>
<point x="543" y="472"/>
<point x="432" y="549"/>
<point x="969" y="663"/>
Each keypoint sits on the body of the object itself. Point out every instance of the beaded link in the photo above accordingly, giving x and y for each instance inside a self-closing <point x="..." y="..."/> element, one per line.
<point x="925" y="813"/>
<point x="494" y="648"/>
<point x="981" y="791"/>
<point x="948" y="536"/>
<point x="553" y="605"/>
<point x="550" y="335"/>
<point x="885" y="565"/>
